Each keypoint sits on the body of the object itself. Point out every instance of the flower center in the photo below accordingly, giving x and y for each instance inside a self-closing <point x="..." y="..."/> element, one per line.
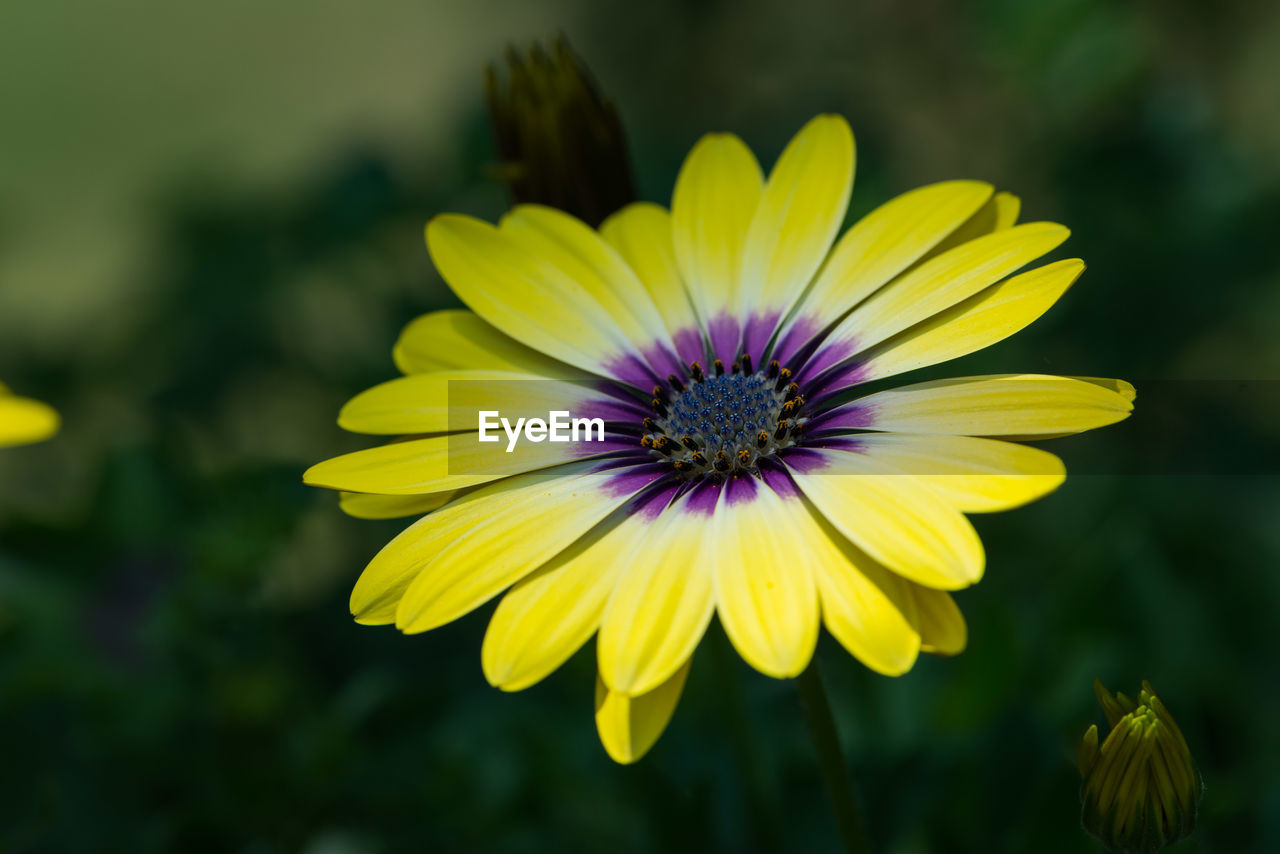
<point x="724" y="423"/>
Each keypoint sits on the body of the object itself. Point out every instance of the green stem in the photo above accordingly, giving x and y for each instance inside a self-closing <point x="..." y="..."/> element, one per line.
<point x="835" y="776"/>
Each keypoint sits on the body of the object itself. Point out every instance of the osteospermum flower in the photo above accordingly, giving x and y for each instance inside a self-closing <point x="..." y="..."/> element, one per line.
<point x="23" y="420"/>
<point x="744" y="476"/>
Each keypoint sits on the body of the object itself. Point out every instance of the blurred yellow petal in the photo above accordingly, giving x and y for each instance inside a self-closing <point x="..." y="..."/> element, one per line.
<point x="630" y="726"/>
<point x="23" y="420"/>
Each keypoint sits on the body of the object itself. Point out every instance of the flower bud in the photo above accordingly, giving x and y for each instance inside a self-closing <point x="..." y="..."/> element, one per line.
<point x="1140" y="789"/>
<point x="560" y="140"/>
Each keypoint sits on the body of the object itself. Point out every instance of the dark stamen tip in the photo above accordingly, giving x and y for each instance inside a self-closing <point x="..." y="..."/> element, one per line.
<point x="746" y="364"/>
<point x="719" y="366"/>
<point x="762" y="439"/>
<point x="774" y="367"/>
<point x="675" y="382"/>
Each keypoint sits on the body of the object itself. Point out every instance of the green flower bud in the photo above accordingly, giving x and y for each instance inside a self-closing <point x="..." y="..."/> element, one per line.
<point x="560" y="140"/>
<point x="1140" y="790"/>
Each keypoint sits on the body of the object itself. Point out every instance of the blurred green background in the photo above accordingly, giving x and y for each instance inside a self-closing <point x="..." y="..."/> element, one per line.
<point x="210" y="234"/>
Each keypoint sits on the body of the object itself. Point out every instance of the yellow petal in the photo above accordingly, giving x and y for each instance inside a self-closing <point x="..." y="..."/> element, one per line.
<point x="23" y="420"/>
<point x="979" y="321"/>
<point x="498" y="551"/>
<point x="524" y="296"/>
<point x="895" y="518"/>
<point x="364" y="506"/>
<point x="641" y="232"/>
<point x="942" y="282"/>
<point x="715" y="198"/>
<point x="766" y="594"/>
<point x="942" y="626"/>
<point x="1000" y="211"/>
<point x="867" y="608"/>
<point x="973" y="475"/>
<point x="549" y="615"/>
<point x="660" y="606"/>
<point x="1008" y="206"/>
<point x="382" y="584"/>
<point x="457" y="339"/>
<point x="997" y="405"/>
<point x="887" y="241"/>
<point x="630" y="726"/>
<point x="582" y="254"/>
<point x="444" y="401"/>
<point x="799" y="213"/>
<point x="439" y="463"/>
<point x="1121" y="387"/>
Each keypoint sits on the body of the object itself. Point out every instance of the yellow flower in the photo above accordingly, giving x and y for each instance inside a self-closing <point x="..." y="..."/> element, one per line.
<point x="23" y="420"/>
<point x="725" y="342"/>
<point x="1140" y="789"/>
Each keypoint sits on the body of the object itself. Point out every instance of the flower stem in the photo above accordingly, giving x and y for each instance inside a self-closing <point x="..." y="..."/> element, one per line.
<point x="835" y="776"/>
